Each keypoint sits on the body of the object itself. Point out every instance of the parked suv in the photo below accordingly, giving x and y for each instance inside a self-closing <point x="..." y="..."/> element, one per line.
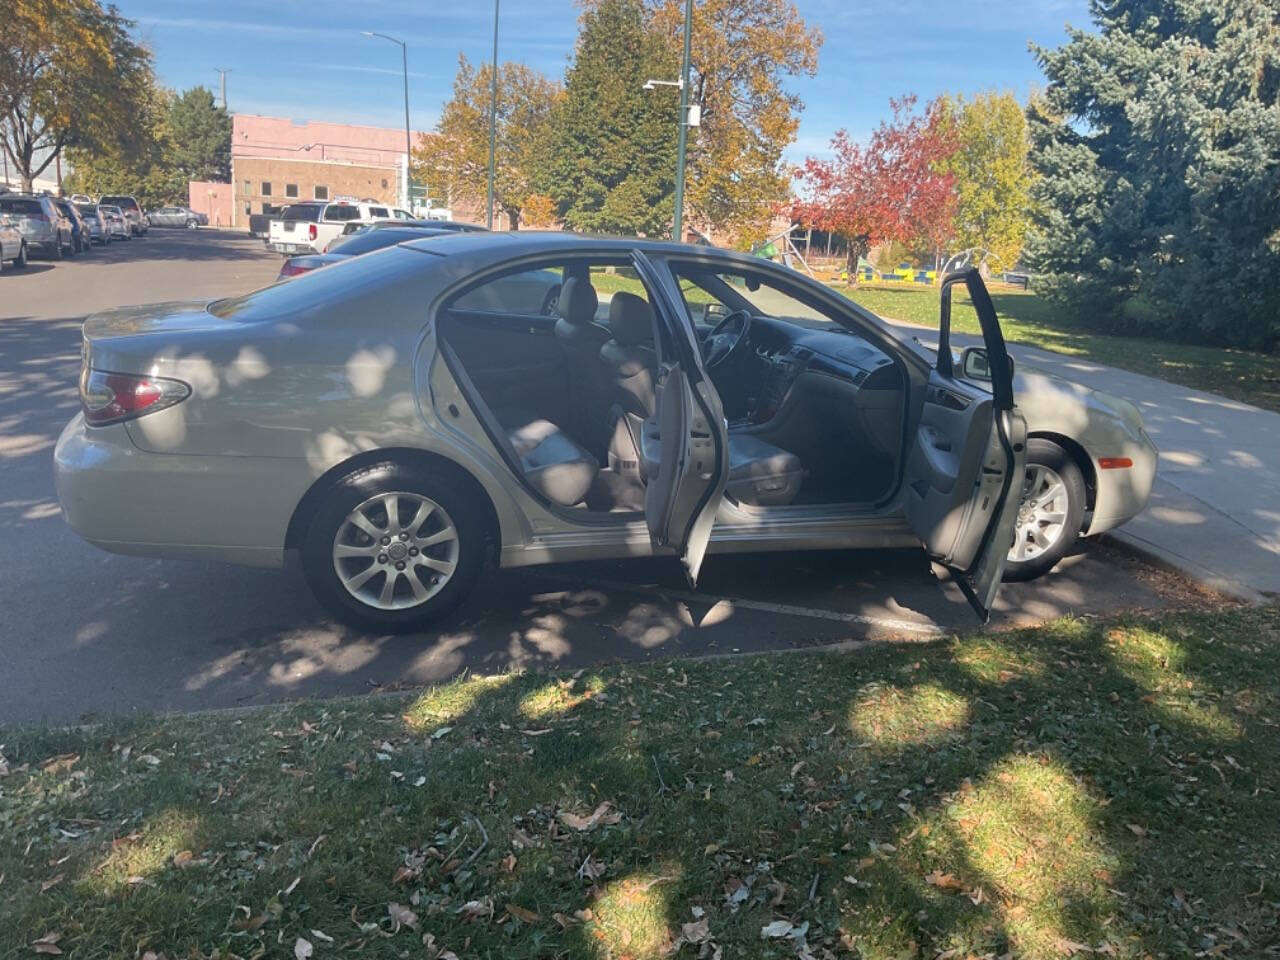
<point x="308" y="227"/>
<point x="133" y="213"/>
<point x="45" y="228"/>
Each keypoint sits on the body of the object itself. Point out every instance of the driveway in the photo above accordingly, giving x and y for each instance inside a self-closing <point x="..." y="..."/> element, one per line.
<point x="88" y="633"/>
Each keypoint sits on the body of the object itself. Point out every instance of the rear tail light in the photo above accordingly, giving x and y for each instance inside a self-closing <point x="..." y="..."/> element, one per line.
<point x="115" y="397"/>
<point x="291" y="269"/>
<point x="311" y="231"/>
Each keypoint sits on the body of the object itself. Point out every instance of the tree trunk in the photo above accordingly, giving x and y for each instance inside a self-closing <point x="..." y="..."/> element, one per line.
<point x="856" y="249"/>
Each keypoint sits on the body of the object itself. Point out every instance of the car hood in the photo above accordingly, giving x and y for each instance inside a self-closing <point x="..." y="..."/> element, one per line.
<point x="1049" y="389"/>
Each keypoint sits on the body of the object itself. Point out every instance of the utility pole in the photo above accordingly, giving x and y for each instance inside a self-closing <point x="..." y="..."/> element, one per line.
<point x="493" y="117"/>
<point x="222" y="84"/>
<point x="682" y="140"/>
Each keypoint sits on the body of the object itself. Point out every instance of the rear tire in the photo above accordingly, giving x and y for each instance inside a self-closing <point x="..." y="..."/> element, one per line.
<point x="191" y="224"/>
<point x="58" y="252"/>
<point x="21" y="262"/>
<point x="1050" y="514"/>
<point x="348" y="569"/>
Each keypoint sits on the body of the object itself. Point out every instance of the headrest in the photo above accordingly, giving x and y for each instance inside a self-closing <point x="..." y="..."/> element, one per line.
<point x="578" y="301"/>
<point x="630" y="319"/>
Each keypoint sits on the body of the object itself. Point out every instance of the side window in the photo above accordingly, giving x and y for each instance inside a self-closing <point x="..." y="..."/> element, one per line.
<point x="532" y="293"/>
<point x="378" y="212"/>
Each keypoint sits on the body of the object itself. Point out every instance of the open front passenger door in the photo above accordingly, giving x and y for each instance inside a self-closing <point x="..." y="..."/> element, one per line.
<point x="964" y="474"/>
<point x="686" y="443"/>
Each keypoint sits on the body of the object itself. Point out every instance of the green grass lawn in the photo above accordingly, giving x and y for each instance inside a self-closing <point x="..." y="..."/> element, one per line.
<point x="1027" y="319"/>
<point x="1108" y="787"/>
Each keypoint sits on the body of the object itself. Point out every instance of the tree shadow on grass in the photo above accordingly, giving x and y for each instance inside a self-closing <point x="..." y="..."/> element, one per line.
<point x="1081" y="787"/>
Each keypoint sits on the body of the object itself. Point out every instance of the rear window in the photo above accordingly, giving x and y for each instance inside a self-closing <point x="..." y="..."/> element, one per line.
<point x="355" y="280"/>
<point x="88" y="208"/>
<point x="302" y="211"/>
<point x="26" y="207"/>
<point x="366" y="240"/>
<point x="342" y="212"/>
<point x="124" y="203"/>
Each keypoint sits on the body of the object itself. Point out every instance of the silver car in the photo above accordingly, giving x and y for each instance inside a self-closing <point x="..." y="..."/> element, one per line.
<point x="13" y="246"/>
<point x="117" y="222"/>
<point x="45" y="228"/>
<point x="402" y="416"/>
<point x="177" y="217"/>
<point x="96" y="221"/>
<point x="134" y="215"/>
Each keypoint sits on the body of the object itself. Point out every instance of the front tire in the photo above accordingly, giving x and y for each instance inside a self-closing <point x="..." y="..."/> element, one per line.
<point x="191" y="224"/>
<point x="1050" y="513"/>
<point x="393" y="548"/>
<point x="21" y="262"/>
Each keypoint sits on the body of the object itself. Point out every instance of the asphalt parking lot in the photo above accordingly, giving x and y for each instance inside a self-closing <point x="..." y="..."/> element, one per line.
<point x="86" y="633"/>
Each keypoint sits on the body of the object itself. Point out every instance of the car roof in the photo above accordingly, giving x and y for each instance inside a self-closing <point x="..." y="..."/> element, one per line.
<point x="514" y="244"/>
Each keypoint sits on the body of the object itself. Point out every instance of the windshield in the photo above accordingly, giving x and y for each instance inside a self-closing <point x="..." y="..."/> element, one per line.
<point x="89" y="208"/>
<point x="27" y="207"/>
<point x="125" y="203"/>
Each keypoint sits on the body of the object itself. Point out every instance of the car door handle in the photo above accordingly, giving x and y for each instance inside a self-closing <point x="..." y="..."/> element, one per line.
<point x="939" y="441"/>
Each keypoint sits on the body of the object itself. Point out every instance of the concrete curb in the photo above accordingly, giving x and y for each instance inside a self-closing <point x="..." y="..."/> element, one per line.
<point x="1176" y="563"/>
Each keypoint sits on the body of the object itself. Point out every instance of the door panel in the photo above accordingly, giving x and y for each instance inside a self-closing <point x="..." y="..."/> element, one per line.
<point x="515" y="362"/>
<point x="967" y="458"/>
<point x="686" y="485"/>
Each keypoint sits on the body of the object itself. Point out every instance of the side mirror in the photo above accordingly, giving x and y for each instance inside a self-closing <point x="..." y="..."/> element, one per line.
<point x="713" y="313"/>
<point x="975" y="366"/>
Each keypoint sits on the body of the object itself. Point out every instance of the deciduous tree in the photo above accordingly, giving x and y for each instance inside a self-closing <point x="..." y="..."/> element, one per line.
<point x="992" y="175"/>
<point x="743" y="52"/>
<point x="70" y="74"/>
<point x="896" y="187"/>
<point x="1157" y="143"/>
<point x="454" y="161"/>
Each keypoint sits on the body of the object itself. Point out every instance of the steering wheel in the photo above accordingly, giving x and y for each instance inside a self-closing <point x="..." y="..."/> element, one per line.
<point x="726" y="339"/>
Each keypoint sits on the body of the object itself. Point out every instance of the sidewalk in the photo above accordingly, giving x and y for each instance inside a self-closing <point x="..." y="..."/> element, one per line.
<point x="1215" y="509"/>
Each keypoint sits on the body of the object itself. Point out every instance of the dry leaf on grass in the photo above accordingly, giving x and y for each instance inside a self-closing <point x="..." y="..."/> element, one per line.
<point x="944" y="881"/>
<point x="48" y="944"/>
<point x="401" y="916"/>
<point x="598" y="816"/>
<point x="520" y="913"/>
<point x="302" y="949"/>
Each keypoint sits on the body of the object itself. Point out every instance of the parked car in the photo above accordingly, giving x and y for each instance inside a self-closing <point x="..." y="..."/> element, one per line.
<point x="445" y="225"/>
<point x="133" y="212"/>
<point x="13" y="245"/>
<point x="260" y="223"/>
<point x="177" y="217"/>
<point x="97" y="221"/>
<point x="308" y="227"/>
<point x="45" y="228"/>
<point x="80" y="238"/>
<point x="355" y="244"/>
<point x="117" y="222"/>
<point x="399" y="418"/>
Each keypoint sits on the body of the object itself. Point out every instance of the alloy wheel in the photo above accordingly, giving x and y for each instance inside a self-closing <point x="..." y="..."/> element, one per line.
<point x="1042" y="514"/>
<point x="396" y="550"/>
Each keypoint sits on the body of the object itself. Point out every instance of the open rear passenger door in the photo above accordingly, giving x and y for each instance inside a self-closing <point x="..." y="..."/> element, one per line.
<point x="688" y="433"/>
<point x="964" y="474"/>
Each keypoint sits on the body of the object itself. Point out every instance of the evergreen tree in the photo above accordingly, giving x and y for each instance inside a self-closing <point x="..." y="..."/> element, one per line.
<point x="610" y="162"/>
<point x="1157" y="142"/>
<point x="201" y="137"/>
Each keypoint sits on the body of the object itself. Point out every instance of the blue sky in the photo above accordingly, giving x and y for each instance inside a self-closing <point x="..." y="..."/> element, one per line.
<point x="307" y="60"/>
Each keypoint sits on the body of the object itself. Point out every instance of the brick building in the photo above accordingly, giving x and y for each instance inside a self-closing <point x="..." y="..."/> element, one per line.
<point x="277" y="161"/>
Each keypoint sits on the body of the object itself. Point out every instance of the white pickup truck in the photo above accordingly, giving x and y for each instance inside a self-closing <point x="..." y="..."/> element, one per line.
<point x="308" y="227"/>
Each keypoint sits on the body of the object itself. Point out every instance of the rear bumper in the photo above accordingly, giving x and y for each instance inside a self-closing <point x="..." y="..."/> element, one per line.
<point x="124" y="500"/>
<point x="290" y="249"/>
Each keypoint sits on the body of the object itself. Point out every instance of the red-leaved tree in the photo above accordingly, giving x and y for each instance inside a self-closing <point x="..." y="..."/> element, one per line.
<point x="890" y="189"/>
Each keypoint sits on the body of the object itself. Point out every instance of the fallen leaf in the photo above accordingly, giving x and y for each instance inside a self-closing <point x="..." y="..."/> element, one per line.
<point x="51" y="882"/>
<point x="439" y="732"/>
<point x="598" y="816"/>
<point x="321" y="935"/>
<point x="302" y="949"/>
<point x="779" y="928"/>
<point x="508" y="863"/>
<point x="181" y="858"/>
<point x="401" y="916"/>
<point x="693" y="933"/>
<point x="404" y="875"/>
<point x="944" y="881"/>
<point x="520" y="913"/>
<point x="1069" y="947"/>
<point x="48" y="944"/>
<point x="475" y="909"/>
<point x="1137" y="830"/>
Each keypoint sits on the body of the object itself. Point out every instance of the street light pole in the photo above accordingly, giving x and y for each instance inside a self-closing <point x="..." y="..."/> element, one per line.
<point x="677" y="226"/>
<point x="493" y="117"/>
<point x="408" y="140"/>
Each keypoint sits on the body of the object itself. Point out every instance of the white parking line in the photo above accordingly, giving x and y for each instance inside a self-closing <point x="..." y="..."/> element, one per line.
<point x="786" y="609"/>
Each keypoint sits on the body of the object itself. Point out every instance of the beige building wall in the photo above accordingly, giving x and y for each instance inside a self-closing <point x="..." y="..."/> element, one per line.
<point x="277" y="181"/>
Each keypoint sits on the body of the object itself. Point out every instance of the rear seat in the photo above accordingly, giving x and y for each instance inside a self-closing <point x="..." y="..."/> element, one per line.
<point x="554" y="463"/>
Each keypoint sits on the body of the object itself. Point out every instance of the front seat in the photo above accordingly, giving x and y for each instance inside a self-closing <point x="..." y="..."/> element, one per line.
<point x="630" y="362"/>
<point x="548" y="458"/>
